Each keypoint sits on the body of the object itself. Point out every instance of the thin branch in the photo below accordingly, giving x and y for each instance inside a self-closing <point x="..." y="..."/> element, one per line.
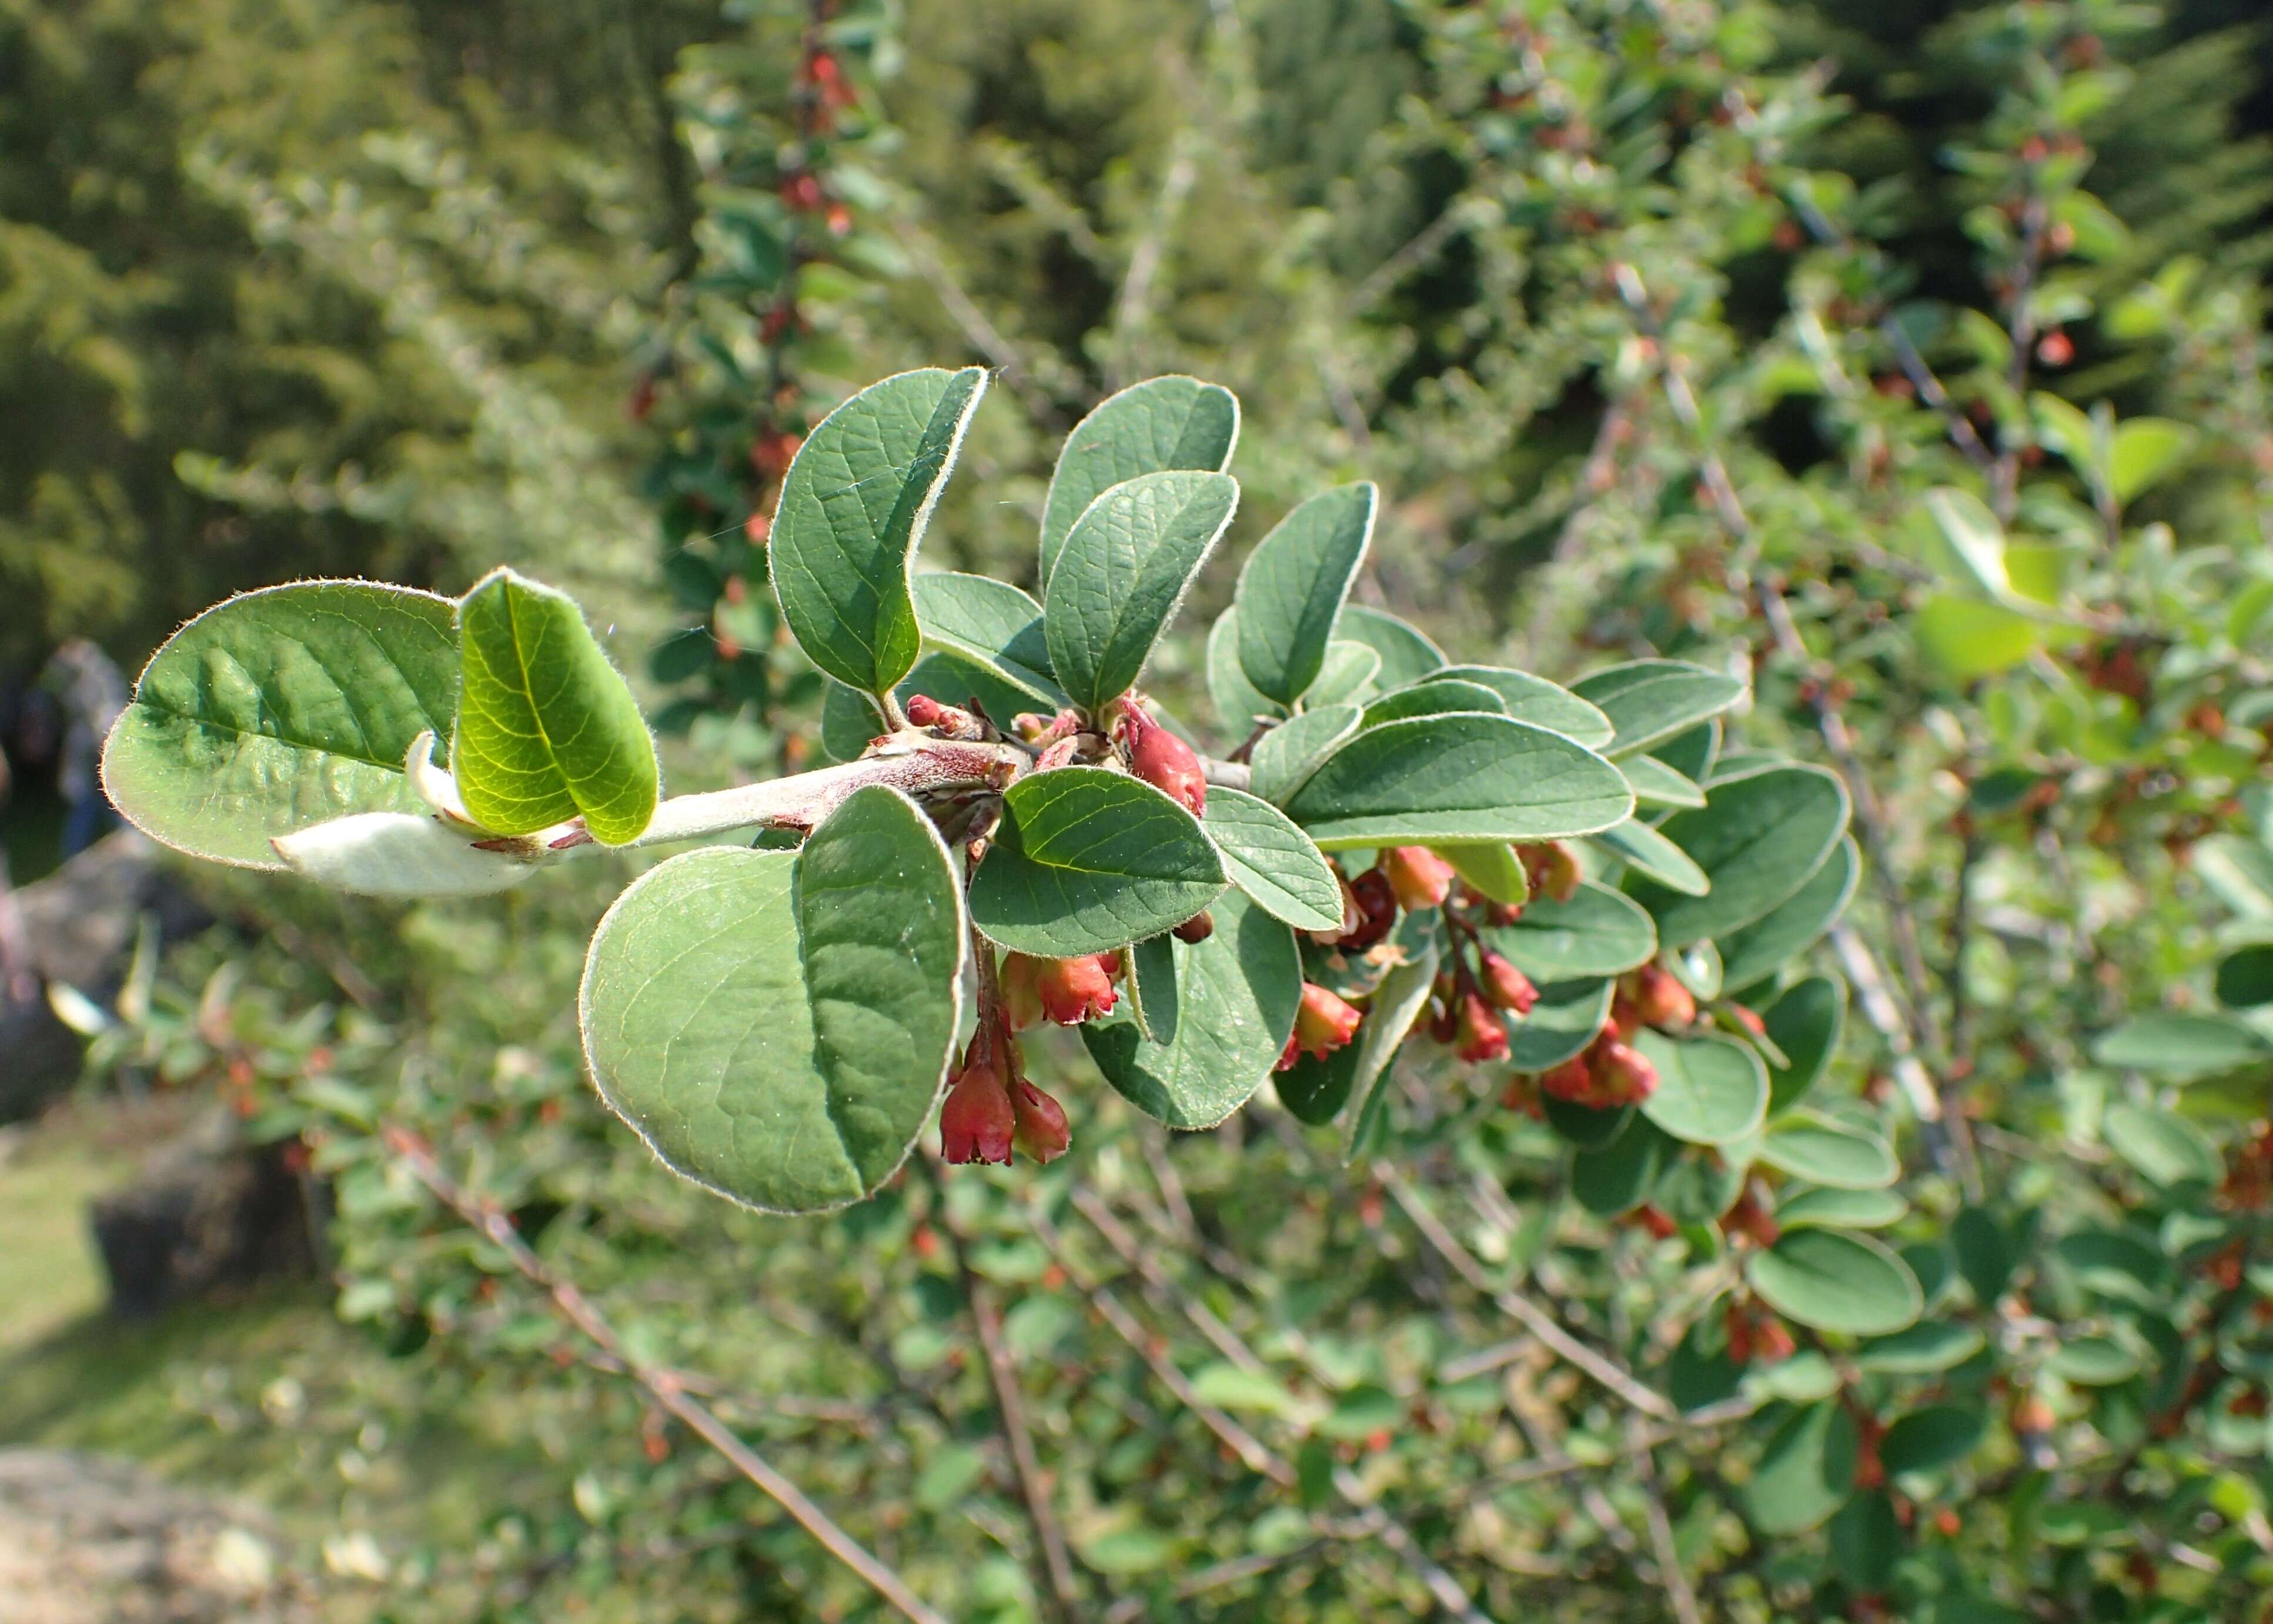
<point x="1063" y="1590"/>
<point x="1132" y="310"/>
<point x="1533" y="1318"/>
<point x="661" y="1386"/>
<point x="1670" y="1573"/>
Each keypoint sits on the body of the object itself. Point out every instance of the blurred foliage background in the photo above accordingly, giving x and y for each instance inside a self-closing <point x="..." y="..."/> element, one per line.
<point x="1630" y="307"/>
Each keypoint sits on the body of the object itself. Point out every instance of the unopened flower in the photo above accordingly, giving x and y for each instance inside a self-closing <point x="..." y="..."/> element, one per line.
<point x="1417" y="875"/>
<point x="1323" y="1024"/>
<point x="978" y="1121"/>
<point x="1506" y="987"/>
<point x="1552" y="868"/>
<point x="1481" y="1037"/>
<point x="1162" y="760"/>
<point x="948" y="721"/>
<point x="1042" y="1131"/>
<point x="1622" y="1075"/>
<point x="1068" y="991"/>
<point x="1659" y="998"/>
<point x="1571" y="1082"/>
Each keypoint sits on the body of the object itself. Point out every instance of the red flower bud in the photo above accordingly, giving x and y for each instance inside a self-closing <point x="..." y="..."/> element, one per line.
<point x="1659" y="998"/>
<point x="1323" y="1023"/>
<point x="1068" y="990"/>
<point x="978" y="1121"/>
<point x="1042" y="1132"/>
<point x="1417" y="875"/>
<point x="949" y="721"/>
<point x="1482" y="1036"/>
<point x="1162" y="760"/>
<point x="1504" y="986"/>
<point x="1572" y="1081"/>
<point x="1377" y="911"/>
<point x="1654" y="1220"/>
<point x="1622" y="1075"/>
<point x="1552" y="868"/>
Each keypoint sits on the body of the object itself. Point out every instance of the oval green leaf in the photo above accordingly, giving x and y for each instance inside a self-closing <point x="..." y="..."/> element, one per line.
<point x="2166" y="1148"/>
<point x="1565" y="1020"/>
<point x="1652" y="855"/>
<point x="1284" y="758"/>
<point x="777" y="1025"/>
<point x="1656" y="785"/>
<point x="1161" y="424"/>
<point x="2182" y="1046"/>
<point x="990" y="623"/>
<point x="1433" y="696"/>
<point x="1710" y="1090"/>
<point x="1838" y="1282"/>
<point x="1089" y="860"/>
<point x="853" y="511"/>
<point x="1755" y="951"/>
<point x="281" y="710"/>
<point x="1805" y="1471"/>
<point x="1291" y="589"/>
<point x="547" y="728"/>
<point x="1841" y="1209"/>
<point x="1930" y="1439"/>
<point x="1458" y="777"/>
<point x="1235" y="999"/>
<point x="1598" y="932"/>
<point x="1272" y="860"/>
<point x="1757" y="839"/>
<point x="1122" y="571"/>
<point x="1653" y="699"/>
<point x="1826" y="1151"/>
<point x="1347" y="675"/>
<point x="1620" y="1175"/>
<point x="1407" y="654"/>
<point x="1539" y="703"/>
<point x="1805" y="1023"/>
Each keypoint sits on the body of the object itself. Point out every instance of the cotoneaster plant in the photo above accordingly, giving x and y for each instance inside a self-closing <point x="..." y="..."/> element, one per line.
<point x="1586" y="886"/>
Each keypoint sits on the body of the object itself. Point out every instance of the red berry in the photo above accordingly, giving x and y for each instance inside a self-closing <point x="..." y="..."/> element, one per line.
<point x="1377" y="911"/>
<point x="1162" y="760"/>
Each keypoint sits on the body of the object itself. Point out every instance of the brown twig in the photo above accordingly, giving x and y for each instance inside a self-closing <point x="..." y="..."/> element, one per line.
<point x="660" y="1385"/>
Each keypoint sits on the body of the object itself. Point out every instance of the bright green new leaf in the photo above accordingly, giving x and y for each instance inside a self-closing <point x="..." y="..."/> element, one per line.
<point x="1758" y="840"/>
<point x="1489" y="865"/>
<point x="1284" y="758"/>
<point x="547" y="728"/>
<point x="1826" y="1151"/>
<point x="992" y="624"/>
<point x="1148" y="428"/>
<point x="1122" y="571"/>
<point x="1458" y="777"/>
<point x="1753" y="952"/>
<point x="2163" y="1145"/>
<point x="1539" y="703"/>
<point x="1833" y="1280"/>
<point x="1348" y="675"/>
<point x="852" y="512"/>
<point x="1710" y="1090"/>
<point x="1650" y="700"/>
<point x="1087" y="860"/>
<point x="1272" y="860"/>
<point x="1598" y="932"/>
<point x="1976" y="540"/>
<point x="1827" y="1208"/>
<point x="1292" y="587"/>
<point x="1965" y="638"/>
<point x="281" y="710"/>
<point x="1806" y="1471"/>
<point x="777" y="1025"/>
<point x="2147" y="451"/>
<point x="1235" y="998"/>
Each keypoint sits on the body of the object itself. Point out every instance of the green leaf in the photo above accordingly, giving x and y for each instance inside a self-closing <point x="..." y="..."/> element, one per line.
<point x="1235" y="997"/>
<point x="1347" y="676"/>
<point x="853" y="508"/>
<point x="1622" y="1175"/>
<point x="1272" y="860"/>
<point x="1693" y="753"/>
<point x="1407" y="654"/>
<point x="1291" y="591"/>
<point x="1925" y="1349"/>
<point x="1539" y="703"/>
<point x="1753" y="952"/>
<point x="2182" y="1046"/>
<point x="2243" y="980"/>
<point x="1122" y="571"/>
<point x="2093" y="1362"/>
<point x="1433" y="696"/>
<point x="1653" y="699"/>
<point x="1805" y="1471"/>
<point x="1838" y="1282"/>
<point x="1976" y="540"/>
<point x="1804" y="1022"/>
<point x="281" y="710"/>
<point x="1757" y="839"/>
<point x="1598" y="932"/>
<point x="1710" y="1090"/>
<point x="1491" y="867"/>
<point x="1656" y="785"/>
<point x="1161" y="424"/>
<point x="2238" y="870"/>
<point x="2147" y="451"/>
<point x="1237" y="704"/>
<point x="777" y="1025"/>
<point x="1930" y="1439"/>
<point x="1398" y="1002"/>
<point x="1458" y="777"/>
<point x="1584" y="1125"/>
<point x="1825" y="1150"/>
<point x="1841" y="1209"/>
<point x="1088" y="860"/>
<point x="398" y="854"/>
<point x="547" y="728"/>
<point x="1152" y="999"/>
<point x="1284" y="758"/>
<point x="2166" y="1148"/>
<point x="1965" y="639"/>
<point x="994" y="625"/>
<point x="1565" y="1020"/>
<point x="1650" y="854"/>
<point x="849" y="720"/>
<point x="1230" y="1387"/>
<point x="1866" y="1541"/>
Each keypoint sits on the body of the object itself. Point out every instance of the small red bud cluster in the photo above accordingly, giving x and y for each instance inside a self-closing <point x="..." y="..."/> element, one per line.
<point x="1756" y="1336"/>
<point x="1161" y="759"/>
